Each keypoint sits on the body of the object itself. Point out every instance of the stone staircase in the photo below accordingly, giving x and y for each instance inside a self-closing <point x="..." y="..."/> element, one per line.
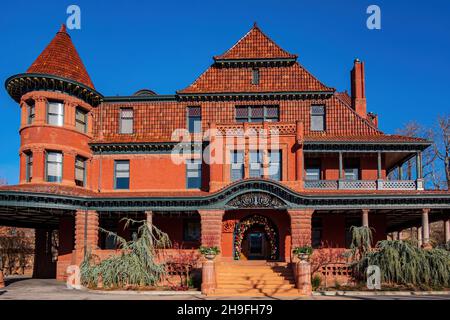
<point x="255" y="278"/>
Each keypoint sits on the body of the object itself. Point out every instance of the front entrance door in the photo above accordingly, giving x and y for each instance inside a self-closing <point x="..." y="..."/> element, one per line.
<point x="256" y="241"/>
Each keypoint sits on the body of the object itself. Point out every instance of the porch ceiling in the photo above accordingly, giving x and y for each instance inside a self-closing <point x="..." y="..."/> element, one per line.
<point x="31" y="217"/>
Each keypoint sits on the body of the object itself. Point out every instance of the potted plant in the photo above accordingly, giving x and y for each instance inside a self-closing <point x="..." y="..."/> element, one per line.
<point x="303" y="253"/>
<point x="209" y="252"/>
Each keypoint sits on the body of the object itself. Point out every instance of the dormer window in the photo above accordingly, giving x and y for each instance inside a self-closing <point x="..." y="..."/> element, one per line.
<point x="317" y="118"/>
<point x="126" y="121"/>
<point x="255" y="76"/>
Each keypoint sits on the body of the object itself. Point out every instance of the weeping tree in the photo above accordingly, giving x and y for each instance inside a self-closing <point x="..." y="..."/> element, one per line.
<point x="401" y="262"/>
<point x="137" y="265"/>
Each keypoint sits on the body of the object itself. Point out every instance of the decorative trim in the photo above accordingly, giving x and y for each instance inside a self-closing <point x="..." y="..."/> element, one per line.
<point x="243" y="96"/>
<point x="351" y="146"/>
<point x="144" y="147"/>
<point x="256" y="200"/>
<point x="23" y="83"/>
<point x="231" y="63"/>
<point x="219" y="200"/>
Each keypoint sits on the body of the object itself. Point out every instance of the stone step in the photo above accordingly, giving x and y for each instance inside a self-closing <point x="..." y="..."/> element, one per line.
<point x="253" y="282"/>
<point x="254" y="275"/>
<point x="256" y="292"/>
<point x="255" y="286"/>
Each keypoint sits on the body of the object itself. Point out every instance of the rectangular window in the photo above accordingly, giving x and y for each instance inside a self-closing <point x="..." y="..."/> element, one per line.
<point x="194" y="173"/>
<point x="237" y="165"/>
<point x="317" y="118"/>
<point x="194" y="119"/>
<point x="54" y="163"/>
<point x="122" y="174"/>
<point x="275" y="165"/>
<point x="81" y="119"/>
<point x="31" y="110"/>
<point x="126" y="121"/>
<point x="256" y="161"/>
<point x="255" y="76"/>
<point x="29" y="166"/>
<point x="55" y="113"/>
<point x="257" y="113"/>
<point x="80" y="171"/>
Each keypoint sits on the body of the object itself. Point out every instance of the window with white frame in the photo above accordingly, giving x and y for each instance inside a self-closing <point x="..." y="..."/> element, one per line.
<point x="81" y="117"/>
<point x="122" y="174"/>
<point x="275" y="165"/>
<point x="31" y="111"/>
<point x="318" y="118"/>
<point x="256" y="164"/>
<point x="80" y="171"/>
<point x="55" y="113"/>
<point x="237" y="165"/>
<point x="126" y="120"/>
<point x="194" y="115"/>
<point x="194" y="173"/>
<point x="54" y="165"/>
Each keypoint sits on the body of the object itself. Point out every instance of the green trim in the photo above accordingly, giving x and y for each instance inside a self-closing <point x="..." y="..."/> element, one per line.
<point x="221" y="199"/>
<point x="20" y="84"/>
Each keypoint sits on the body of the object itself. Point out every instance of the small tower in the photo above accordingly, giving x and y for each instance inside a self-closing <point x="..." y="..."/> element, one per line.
<point x="57" y="99"/>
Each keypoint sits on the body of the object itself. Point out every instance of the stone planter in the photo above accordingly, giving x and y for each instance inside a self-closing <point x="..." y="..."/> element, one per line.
<point x="210" y="256"/>
<point x="303" y="257"/>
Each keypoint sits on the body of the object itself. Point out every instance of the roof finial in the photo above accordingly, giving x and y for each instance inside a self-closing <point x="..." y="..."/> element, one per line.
<point x="255" y="25"/>
<point x="63" y="28"/>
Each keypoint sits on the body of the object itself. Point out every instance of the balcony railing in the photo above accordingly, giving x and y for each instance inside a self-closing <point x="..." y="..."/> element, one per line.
<point x="361" y="184"/>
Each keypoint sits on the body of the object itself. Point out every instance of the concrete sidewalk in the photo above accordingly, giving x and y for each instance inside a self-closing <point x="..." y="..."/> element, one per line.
<point x="21" y="288"/>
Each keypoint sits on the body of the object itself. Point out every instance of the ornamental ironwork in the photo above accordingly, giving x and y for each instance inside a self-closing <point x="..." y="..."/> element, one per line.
<point x="256" y="200"/>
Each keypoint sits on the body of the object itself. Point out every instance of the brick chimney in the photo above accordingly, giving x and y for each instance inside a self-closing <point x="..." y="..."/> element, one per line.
<point x="359" y="102"/>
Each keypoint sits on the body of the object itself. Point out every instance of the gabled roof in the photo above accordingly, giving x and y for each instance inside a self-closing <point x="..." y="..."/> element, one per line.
<point x="255" y="45"/>
<point x="60" y="58"/>
<point x="293" y="78"/>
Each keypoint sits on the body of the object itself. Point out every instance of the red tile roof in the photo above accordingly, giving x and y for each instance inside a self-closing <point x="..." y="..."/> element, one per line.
<point x="255" y="45"/>
<point x="292" y="78"/>
<point x="60" y="58"/>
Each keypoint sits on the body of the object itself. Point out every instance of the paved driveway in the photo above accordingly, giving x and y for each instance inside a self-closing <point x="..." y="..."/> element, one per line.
<point x="19" y="288"/>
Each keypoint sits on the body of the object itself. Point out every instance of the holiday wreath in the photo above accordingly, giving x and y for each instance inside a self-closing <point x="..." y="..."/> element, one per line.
<point x="269" y="229"/>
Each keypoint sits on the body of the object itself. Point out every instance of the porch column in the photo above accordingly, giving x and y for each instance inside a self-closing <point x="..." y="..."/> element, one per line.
<point x="301" y="236"/>
<point x="419" y="237"/>
<point x="215" y="175"/>
<point x="211" y="230"/>
<point x="365" y="217"/>
<point x="400" y="172"/>
<point x="86" y="232"/>
<point x="425" y="228"/>
<point x="419" y="171"/>
<point x="379" y="175"/>
<point x="447" y="230"/>
<point x="149" y="217"/>
<point x="300" y="227"/>
<point x="341" y="165"/>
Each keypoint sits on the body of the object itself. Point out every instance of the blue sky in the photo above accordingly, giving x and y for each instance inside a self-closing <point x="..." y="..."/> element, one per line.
<point x="165" y="45"/>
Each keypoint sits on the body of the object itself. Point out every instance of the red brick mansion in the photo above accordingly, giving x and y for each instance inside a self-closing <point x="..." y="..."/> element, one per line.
<point x="293" y="162"/>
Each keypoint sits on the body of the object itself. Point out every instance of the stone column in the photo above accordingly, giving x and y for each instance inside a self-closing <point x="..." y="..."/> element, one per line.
<point x="149" y="217"/>
<point x="216" y="146"/>
<point x="419" y="171"/>
<point x="211" y="227"/>
<point x="86" y="231"/>
<point x="447" y="230"/>
<point x="365" y="217"/>
<point x="211" y="230"/>
<point x="419" y="237"/>
<point x="303" y="277"/>
<point x="300" y="227"/>
<point x="425" y="228"/>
